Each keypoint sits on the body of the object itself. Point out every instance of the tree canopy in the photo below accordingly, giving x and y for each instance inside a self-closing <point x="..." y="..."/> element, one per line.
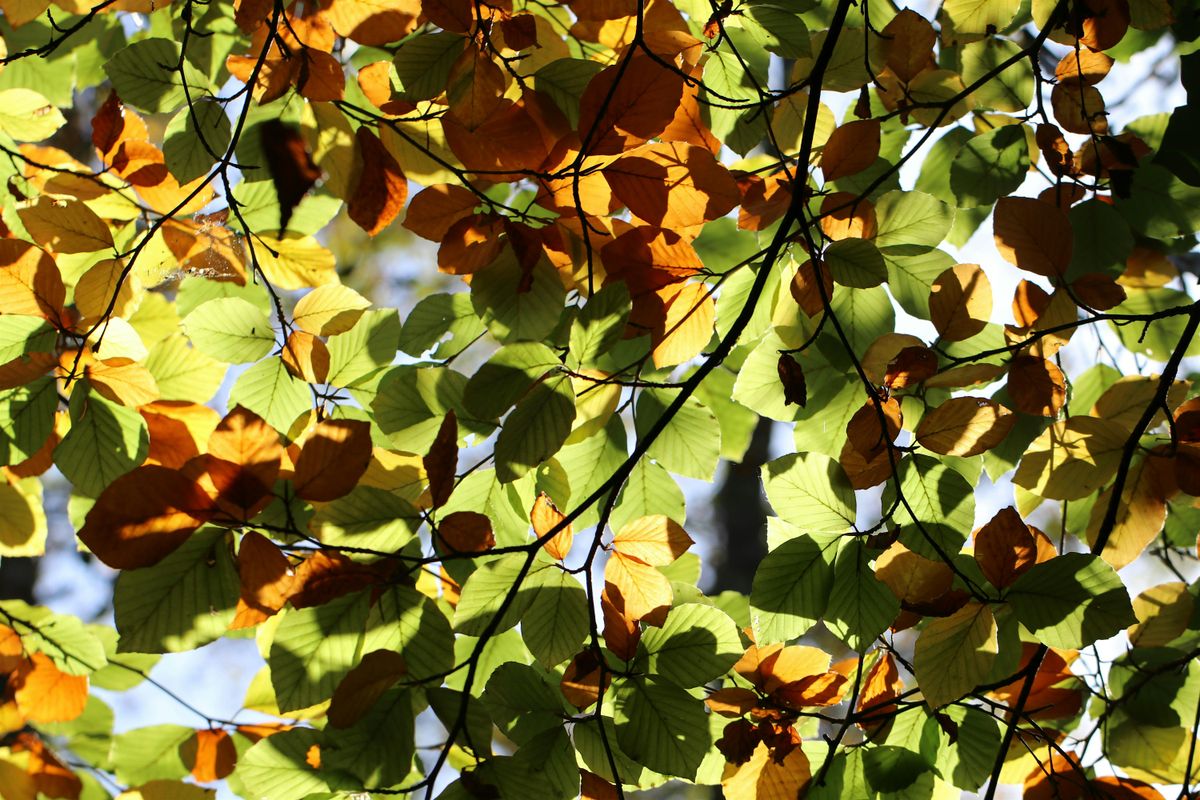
<point x="629" y="231"/>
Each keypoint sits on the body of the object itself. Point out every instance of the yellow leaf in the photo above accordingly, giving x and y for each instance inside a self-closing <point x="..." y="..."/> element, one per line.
<point x="1071" y="459"/>
<point x="123" y="381"/>
<point x="761" y="778"/>
<point x="295" y="262"/>
<point x="687" y="324"/>
<point x="965" y="426"/>
<point x="30" y="282"/>
<point x="66" y="226"/>
<point x="1163" y="613"/>
<point x="657" y="540"/>
<point x="639" y="588"/>
<point x="954" y="654"/>
<point x="22" y="519"/>
<point x="329" y="309"/>
<point x="102" y="286"/>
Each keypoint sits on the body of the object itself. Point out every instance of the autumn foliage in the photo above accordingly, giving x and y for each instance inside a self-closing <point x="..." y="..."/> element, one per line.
<point x="931" y="242"/>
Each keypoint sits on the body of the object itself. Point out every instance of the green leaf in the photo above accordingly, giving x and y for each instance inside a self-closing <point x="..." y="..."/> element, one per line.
<point x="378" y="749"/>
<point x="183" y="372"/>
<point x="696" y="644"/>
<point x="423" y="64"/>
<point x="21" y="334"/>
<point x="230" y="330"/>
<point x="592" y="461"/>
<point x="276" y="767"/>
<point x="690" y="444"/>
<point x="409" y="623"/>
<point x="980" y="16"/>
<point x="911" y="222"/>
<point x="314" y="648"/>
<point x="1071" y="601"/>
<point x="661" y="726"/>
<point x="26" y="418"/>
<point x="506" y="376"/>
<point x="970" y="761"/>
<point x="855" y="263"/>
<point x="150" y="753"/>
<point x="1010" y="90"/>
<point x="600" y="324"/>
<point x="434" y="317"/>
<point x="776" y="28"/>
<point x="486" y="590"/>
<point x="860" y="606"/>
<point x="182" y="602"/>
<point x="954" y="654"/>
<point x="123" y="670"/>
<point x="73" y="648"/>
<point x="270" y="391"/>
<point x="990" y="166"/>
<point x="522" y="703"/>
<point x="411" y="403"/>
<point x="195" y="138"/>
<point x="517" y="305"/>
<point x="145" y="75"/>
<point x="910" y="277"/>
<point x="536" y="428"/>
<point x="563" y="81"/>
<point x="543" y="769"/>
<point x="365" y="349"/>
<point x="810" y="490"/>
<point x="1159" y="338"/>
<point x="368" y="518"/>
<point x="791" y="588"/>
<point x="1161" y="206"/>
<point x="106" y="440"/>
<point x="942" y="505"/>
<point x="556" y="621"/>
<point x="27" y="116"/>
<point x="649" y="490"/>
<point x="1102" y="240"/>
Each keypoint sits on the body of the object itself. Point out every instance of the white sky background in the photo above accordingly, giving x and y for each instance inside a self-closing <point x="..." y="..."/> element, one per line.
<point x="214" y="678"/>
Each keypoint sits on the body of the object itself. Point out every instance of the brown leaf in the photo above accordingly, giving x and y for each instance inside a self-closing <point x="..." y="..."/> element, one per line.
<point x="466" y="532"/>
<point x="593" y="787"/>
<point x="791" y="377"/>
<point x="874" y="427"/>
<point x="378" y="671"/>
<point x="545" y="517"/>
<point x="908" y="45"/>
<point x="621" y="632"/>
<point x="580" y="683"/>
<point x="805" y="291"/>
<point x="1033" y="235"/>
<point x="381" y="189"/>
<point x="1036" y="386"/>
<point x="442" y="460"/>
<point x="625" y="105"/>
<point x="1005" y="548"/>
<point x="1098" y="291"/>
<point x="291" y="167"/>
<point x="143" y="516"/>
<point x="435" y="208"/>
<point x="732" y="701"/>
<point x="911" y="366"/>
<point x="1086" y="66"/>
<point x="471" y="244"/>
<point x="266" y="580"/>
<point x="325" y="576"/>
<point x="960" y="302"/>
<point x="673" y="185"/>
<point x="334" y="456"/>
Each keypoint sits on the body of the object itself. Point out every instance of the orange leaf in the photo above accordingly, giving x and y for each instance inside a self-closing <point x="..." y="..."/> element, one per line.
<point x="657" y="540"/>
<point x="1005" y="548"/>
<point x="908" y="41"/>
<point x="143" y="516"/>
<point x="378" y="671"/>
<point x="621" y="632"/>
<point x="636" y="587"/>
<point x="545" y="516"/>
<point x="1083" y="65"/>
<point x="434" y="209"/>
<point x="732" y="701"/>
<point x="381" y="188"/>
<point x="306" y="357"/>
<point x="178" y="430"/>
<point x="850" y="149"/>
<point x="244" y="459"/>
<point x="805" y="291"/>
<point x="466" y="532"/>
<point x="845" y="215"/>
<point x="627" y="104"/>
<point x="123" y="381"/>
<point x="373" y="23"/>
<point x="673" y="185"/>
<point x="767" y="776"/>
<point x="826" y="689"/>
<point x="266" y="579"/>
<point x="12" y="652"/>
<point x="30" y="282"/>
<point x="1033" y="235"/>
<point x="960" y="302"/>
<point x="471" y="244"/>
<point x="209" y="755"/>
<point x="580" y="683"/>
<point x="442" y="461"/>
<point x="965" y="426"/>
<point x="866" y="431"/>
<point x="911" y="366"/>
<point x="51" y="777"/>
<point x="1061" y="777"/>
<point x="914" y="579"/>
<point x="881" y="686"/>
<point x="334" y="456"/>
<point x="593" y="787"/>
<point x="44" y="694"/>
<point x="689" y="314"/>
